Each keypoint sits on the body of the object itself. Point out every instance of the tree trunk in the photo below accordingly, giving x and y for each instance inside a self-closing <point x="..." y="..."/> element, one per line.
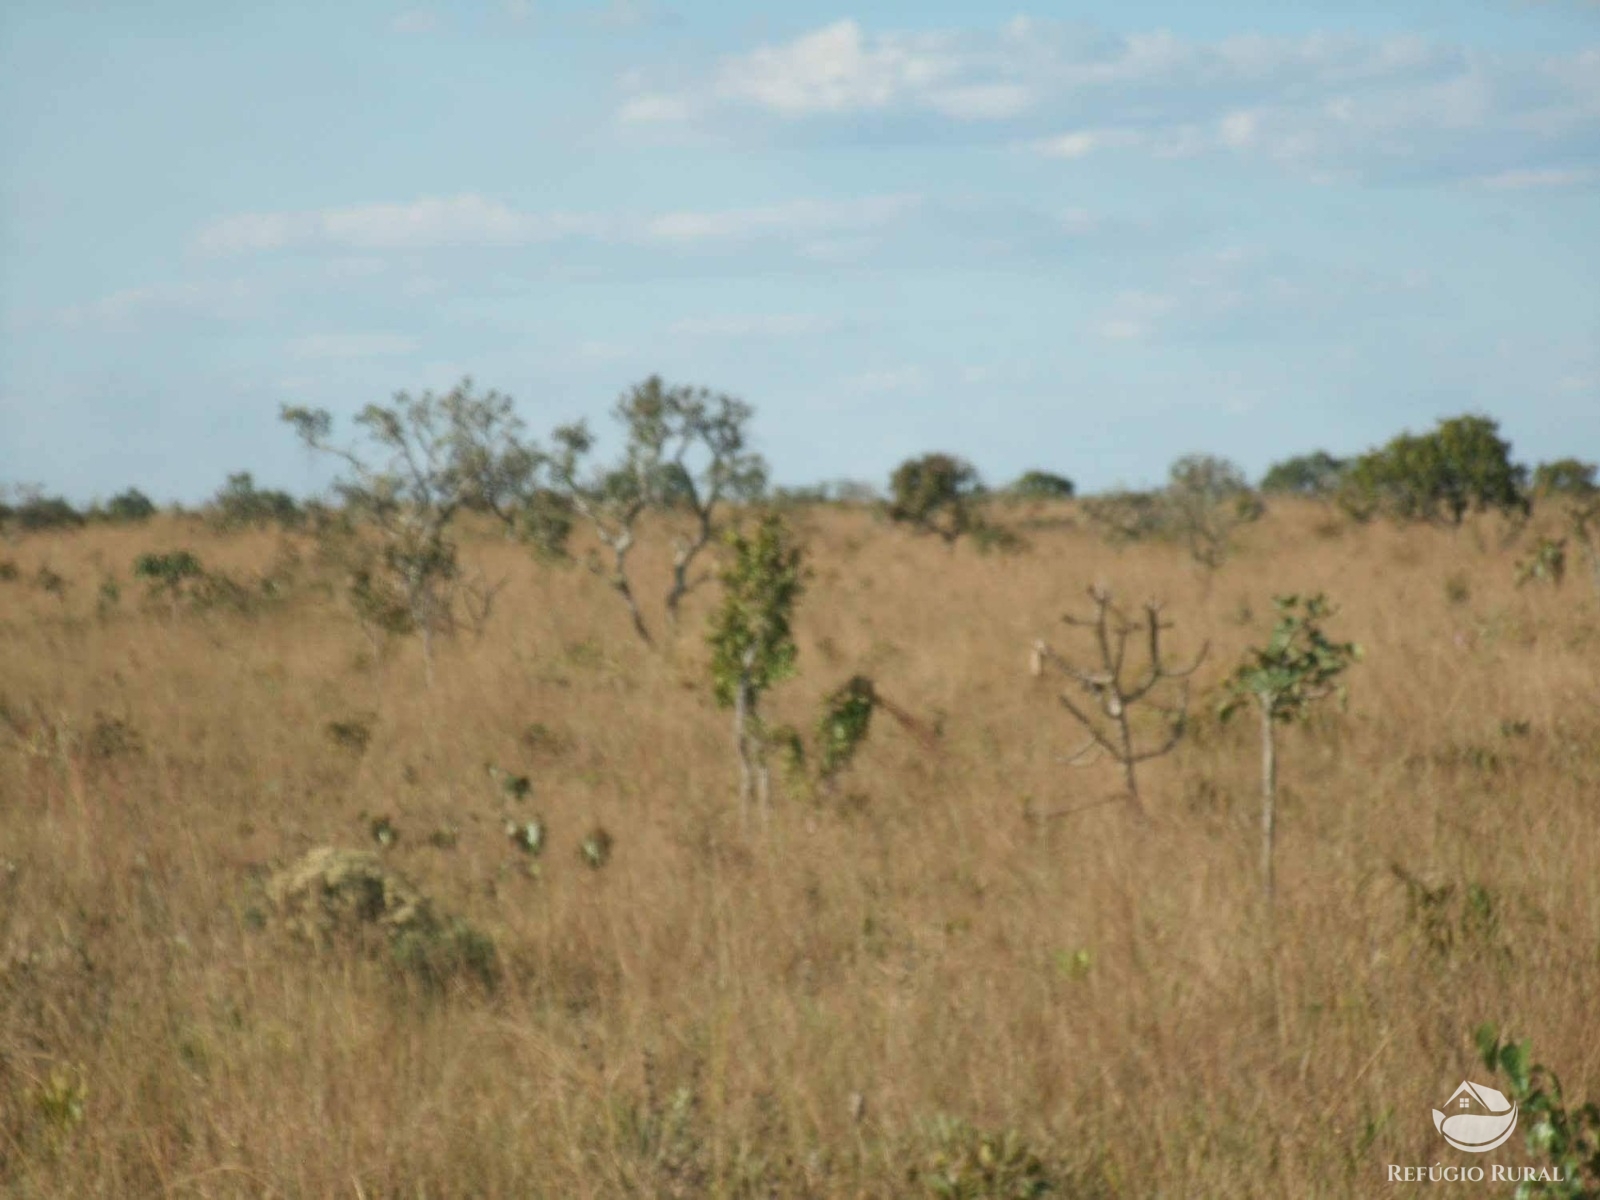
<point x="1269" y="796"/>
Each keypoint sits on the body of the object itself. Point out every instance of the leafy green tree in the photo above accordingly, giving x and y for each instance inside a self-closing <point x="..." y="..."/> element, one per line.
<point x="1463" y="466"/>
<point x="1042" y="485"/>
<point x="130" y="507"/>
<point x="1317" y="474"/>
<point x="35" y="512"/>
<point x="686" y="450"/>
<point x="752" y="639"/>
<point x="1299" y="666"/>
<point x="1565" y="477"/>
<point x="936" y="494"/>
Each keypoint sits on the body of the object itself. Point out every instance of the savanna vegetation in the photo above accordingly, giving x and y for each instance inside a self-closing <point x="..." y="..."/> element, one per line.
<point x="514" y="824"/>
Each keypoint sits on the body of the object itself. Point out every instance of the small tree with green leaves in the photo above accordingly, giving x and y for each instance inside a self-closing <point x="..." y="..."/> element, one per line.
<point x="1565" y="477"/>
<point x="426" y="458"/>
<point x="937" y="494"/>
<point x="686" y="452"/>
<point x="1299" y="666"/>
<point x="752" y="640"/>
<point x="1042" y="485"/>
<point x="169" y="575"/>
<point x="129" y="507"/>
<point x="1565" y="1135"/>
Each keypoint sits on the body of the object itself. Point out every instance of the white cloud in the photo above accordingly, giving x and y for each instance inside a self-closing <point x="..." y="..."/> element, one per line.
<point x="1324" y="106"/>
<point x="832" y="70"/>
<point x="473" y="220"/>
<point x="888" y="379"/>
<point x="227" y="300"/>
<point x="982" y="102"/>
<point x="788" y="218"/>
<point x="742" y="325"/>
<point x="417" y="20"/>
<point x="655" y="109"/>
<point x="319" y="346"/>
<point x="1546" y="177"/>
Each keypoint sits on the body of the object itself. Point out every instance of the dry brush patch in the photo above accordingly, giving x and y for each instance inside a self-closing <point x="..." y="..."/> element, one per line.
<point x="813" y="1007"/>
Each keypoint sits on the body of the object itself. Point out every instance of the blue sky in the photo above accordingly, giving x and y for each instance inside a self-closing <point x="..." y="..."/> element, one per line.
<point x="1087" y="239"/>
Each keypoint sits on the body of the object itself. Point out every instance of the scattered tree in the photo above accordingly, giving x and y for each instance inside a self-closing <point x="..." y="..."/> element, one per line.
<point x="1298" y="667"/>
<point x="426" y="457"/>
<point x="1565" y="477"/>
<point x="1316" y="475"/>
<point x="752" y="640"/>
<point x="1042" y="485"/>
<point x="1207" y="499"/>
<point x="131" y="506"/>
<point x="1118" y="694"/>
<point x="686" y="450"/>
<point x="1463" y="466"/>
<point x="239" y="504"/>
<point x="935" y="494"/>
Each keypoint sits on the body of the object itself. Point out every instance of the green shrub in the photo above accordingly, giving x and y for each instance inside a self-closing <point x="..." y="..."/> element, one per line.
<point x="1463" y="466"/>
<point x="1042" y="485"/>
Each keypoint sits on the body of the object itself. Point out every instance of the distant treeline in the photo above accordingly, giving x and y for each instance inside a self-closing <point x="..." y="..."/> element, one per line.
<point x="1462" y="465"/>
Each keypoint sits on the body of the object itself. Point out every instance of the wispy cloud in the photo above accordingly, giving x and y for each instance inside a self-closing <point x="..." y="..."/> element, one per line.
<point x="752" y="325"/>
<point x="473" y="220"/>
<point x="417" y="20"/>
<point x="227" y="300"/>
<point x="319" y="346"/>
<point x="1547" y="177"/>
<point x="1326" y="106"/>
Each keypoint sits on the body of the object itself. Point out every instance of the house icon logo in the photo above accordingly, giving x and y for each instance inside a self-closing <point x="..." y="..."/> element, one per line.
<point x="1476" y="1118"/>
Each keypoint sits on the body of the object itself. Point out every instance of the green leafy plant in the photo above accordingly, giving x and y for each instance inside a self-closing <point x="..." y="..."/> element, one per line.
<point x="967" y="1163"/>
<point x="1564" y="1134"/>
<point x="1297" y="668"/>
<point x="1546" y="564"/>
<point x="129" y="507"/>
<point x="752" y="639"/>
<point x="169" y="574"/>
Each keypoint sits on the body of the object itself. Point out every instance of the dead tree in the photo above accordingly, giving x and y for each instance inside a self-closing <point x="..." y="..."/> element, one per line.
<point x="1115" y="689"/>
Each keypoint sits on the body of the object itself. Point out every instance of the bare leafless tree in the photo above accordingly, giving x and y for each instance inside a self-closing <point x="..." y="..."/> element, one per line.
<point x="1116" y="688"/>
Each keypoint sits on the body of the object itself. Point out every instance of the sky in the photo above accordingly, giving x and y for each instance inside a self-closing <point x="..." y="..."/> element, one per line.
<point x="1086" y="239"/>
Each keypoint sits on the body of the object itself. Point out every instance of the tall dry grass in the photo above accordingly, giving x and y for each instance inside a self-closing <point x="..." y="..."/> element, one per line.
<point x="785" y="1011"/>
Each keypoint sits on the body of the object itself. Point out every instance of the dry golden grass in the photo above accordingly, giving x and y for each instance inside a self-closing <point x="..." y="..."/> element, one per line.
<point x="732" y="1011"/>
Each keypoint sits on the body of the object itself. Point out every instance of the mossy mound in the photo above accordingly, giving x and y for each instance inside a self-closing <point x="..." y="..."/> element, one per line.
<point x="332" y="897"/>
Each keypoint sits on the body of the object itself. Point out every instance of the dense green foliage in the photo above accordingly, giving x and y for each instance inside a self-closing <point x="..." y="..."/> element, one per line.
<point x="1463" y="466"/>
<point x="751" y="638"/>
<point x="1317" y="474"/>
<point x="935" y="493"/>
<point x="1565" y="477"/>
<point x="1042" y="485"/>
